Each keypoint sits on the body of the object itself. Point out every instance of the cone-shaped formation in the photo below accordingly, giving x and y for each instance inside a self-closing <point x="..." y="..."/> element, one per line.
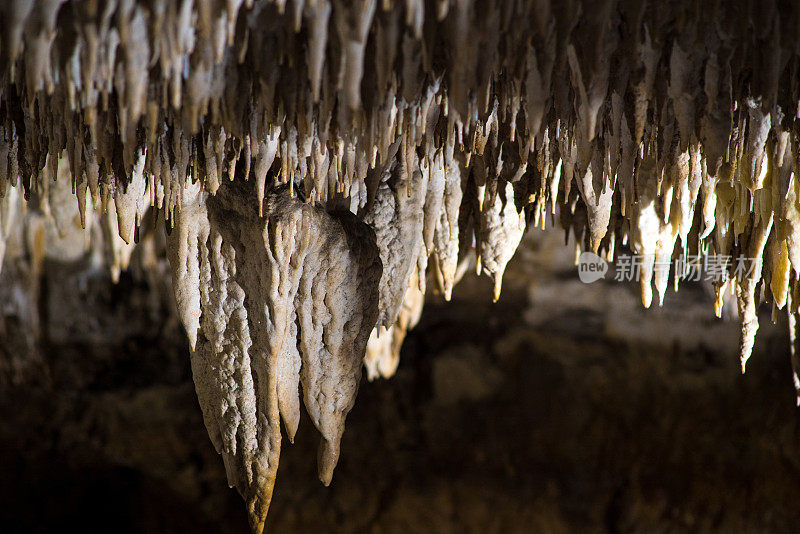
<point x="444" y="125"/>
<point x="270" y="302"/>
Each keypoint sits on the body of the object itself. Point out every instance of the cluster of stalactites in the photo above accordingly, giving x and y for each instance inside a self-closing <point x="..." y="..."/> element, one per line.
<point x="445" y="126"/>
<point x="270" y="303"/>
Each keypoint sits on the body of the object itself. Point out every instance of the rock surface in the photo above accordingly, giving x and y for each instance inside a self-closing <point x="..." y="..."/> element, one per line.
<point x="562" y="407"/>
<point x="318" y="165"/>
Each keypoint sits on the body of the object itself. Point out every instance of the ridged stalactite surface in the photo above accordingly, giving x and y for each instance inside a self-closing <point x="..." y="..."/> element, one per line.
<point x="271" y="302"/>
<point x="320" y="164"/>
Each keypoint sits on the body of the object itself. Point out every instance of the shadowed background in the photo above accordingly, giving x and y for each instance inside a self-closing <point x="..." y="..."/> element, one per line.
<point x="564" y="407"/>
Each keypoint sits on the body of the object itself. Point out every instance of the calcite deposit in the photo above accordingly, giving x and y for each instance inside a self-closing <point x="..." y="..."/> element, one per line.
<point x="318" y="165"/>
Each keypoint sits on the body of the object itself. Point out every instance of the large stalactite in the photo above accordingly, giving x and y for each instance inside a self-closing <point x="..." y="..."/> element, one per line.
<point x="318" y="165"/>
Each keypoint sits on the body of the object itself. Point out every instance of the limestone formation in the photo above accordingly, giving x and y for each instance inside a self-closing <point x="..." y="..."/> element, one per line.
<point x="319" y="164"/>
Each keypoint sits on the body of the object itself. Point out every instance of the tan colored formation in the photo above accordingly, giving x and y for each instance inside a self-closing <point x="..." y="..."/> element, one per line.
<point x="270" y="303"/>
<point x="317" y="164"/>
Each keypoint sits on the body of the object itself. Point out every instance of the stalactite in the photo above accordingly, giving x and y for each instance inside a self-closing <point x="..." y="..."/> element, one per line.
<point x="384" y="143"/>
<point x="269" y="303"/>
